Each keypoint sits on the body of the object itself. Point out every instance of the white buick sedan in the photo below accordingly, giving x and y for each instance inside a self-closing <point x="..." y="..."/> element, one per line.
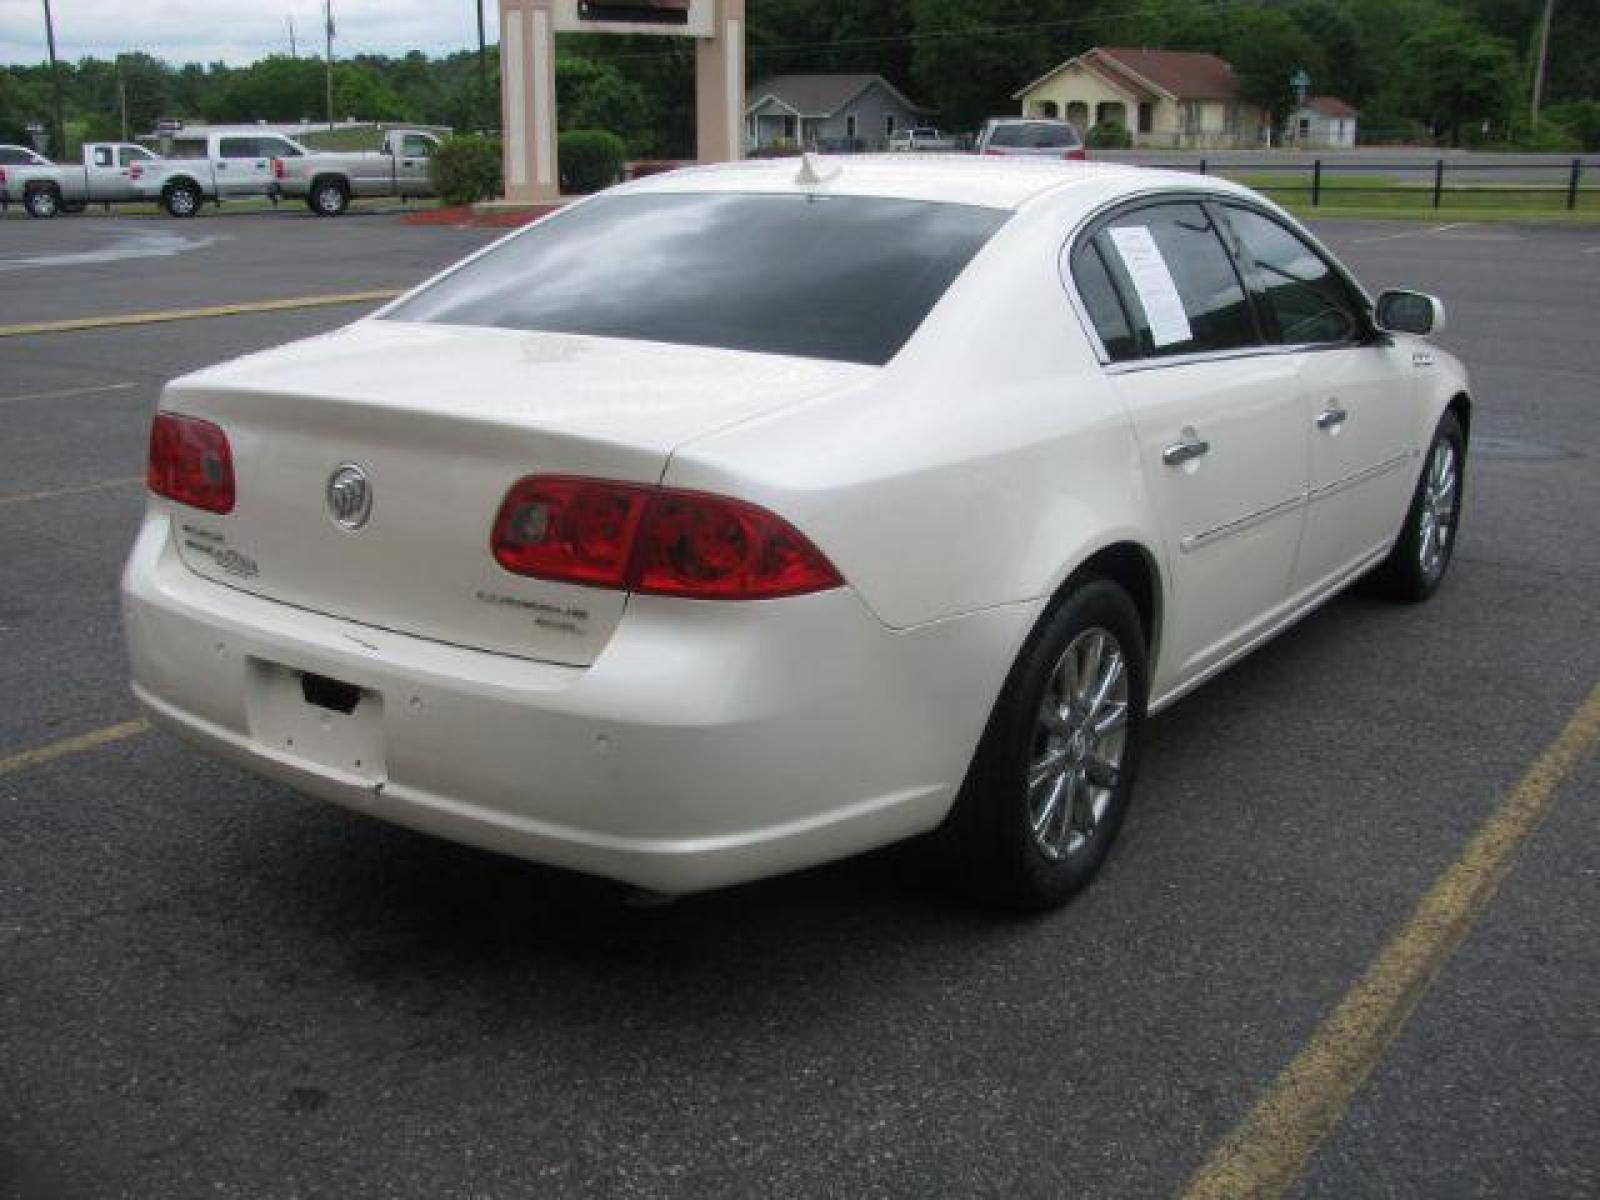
<point x="752" y="516"/>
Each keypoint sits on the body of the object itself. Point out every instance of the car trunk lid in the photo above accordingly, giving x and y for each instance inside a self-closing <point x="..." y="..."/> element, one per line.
<point x="440" y="421"/>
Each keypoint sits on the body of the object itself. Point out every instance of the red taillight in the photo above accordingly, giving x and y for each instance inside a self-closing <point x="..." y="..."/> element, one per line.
<point x="1076" y="154"/>
<point x="2" y="176"/>
<point x="654" y="540"/>
<point x="278" y="170"/>
<point x="191" y="462"/>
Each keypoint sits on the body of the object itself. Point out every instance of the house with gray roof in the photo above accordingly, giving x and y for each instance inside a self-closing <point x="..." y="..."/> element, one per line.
<point x="828" y="112"/>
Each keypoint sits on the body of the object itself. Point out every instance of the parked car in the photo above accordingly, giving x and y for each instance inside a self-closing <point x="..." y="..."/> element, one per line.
<point x="922" y="140"/>
<point x="1029" y="137"/>
<point x="107" y="175"/>
<point x="328" y="182"/>
<point x="216" y="165"/>
<point x="696" y="532"/>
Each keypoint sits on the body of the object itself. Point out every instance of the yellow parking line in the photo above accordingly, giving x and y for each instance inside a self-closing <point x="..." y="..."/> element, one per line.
<point x="69" y="393"/>
<point x="1267" y="1153"/>
<point x="73" y="745"/>
<point x="192" y="314"/>
<point x="77" y="489"/>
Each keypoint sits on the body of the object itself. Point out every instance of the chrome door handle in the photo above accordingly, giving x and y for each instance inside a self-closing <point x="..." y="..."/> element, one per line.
<point x="1179" y="453"/>
<point x="1331" y="417"/>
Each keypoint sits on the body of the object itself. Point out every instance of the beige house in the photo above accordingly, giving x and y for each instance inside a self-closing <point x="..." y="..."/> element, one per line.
<point x="1167" y="98"/>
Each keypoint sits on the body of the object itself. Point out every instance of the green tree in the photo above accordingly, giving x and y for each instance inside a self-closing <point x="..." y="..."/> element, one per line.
<point x="1460" y="77"/>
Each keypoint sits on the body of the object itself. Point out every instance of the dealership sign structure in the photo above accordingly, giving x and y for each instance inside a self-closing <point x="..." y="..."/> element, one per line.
<point x="528" y="31"/>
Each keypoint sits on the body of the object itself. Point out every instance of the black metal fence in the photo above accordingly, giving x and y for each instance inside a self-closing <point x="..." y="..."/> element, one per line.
<point x="1565" y="183"/>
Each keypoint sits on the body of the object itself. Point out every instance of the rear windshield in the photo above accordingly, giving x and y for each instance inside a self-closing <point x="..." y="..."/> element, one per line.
<point x="1033" y="136"/>
<point x="847" y="278"/>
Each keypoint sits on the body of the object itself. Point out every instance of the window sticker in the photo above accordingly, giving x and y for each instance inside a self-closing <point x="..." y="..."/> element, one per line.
<point x="1169" y="324"/>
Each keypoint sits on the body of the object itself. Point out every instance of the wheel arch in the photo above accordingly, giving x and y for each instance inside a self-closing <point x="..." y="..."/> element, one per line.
<point x="1461" y="405"/>
<point x="178" y="181"/>
<point x="323" y="177"/>
<point x="1133" y="568"/>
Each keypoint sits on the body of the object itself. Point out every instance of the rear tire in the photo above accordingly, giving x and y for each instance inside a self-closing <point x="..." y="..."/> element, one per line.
<point x="1051" y="780"/>
<point x="181" y="199"/>
<point x="42" y="203"/>
<point x="1416" y="566"/>
<point x="328" y="197"/>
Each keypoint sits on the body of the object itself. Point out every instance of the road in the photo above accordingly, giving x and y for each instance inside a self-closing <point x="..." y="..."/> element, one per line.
<point x="211" y="986"/>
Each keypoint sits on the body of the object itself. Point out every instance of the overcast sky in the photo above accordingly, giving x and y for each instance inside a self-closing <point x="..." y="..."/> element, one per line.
<point x="237" y="31"/>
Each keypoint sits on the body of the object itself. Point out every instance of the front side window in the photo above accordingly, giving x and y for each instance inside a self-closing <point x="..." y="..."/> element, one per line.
<point x="1304" y="297"/>
<point x="1176" y="280"/>
<point x="270" y="147"/>
<point x="132" y="154"/>
<point x="415" y="146"/>
<point x="848" y="278"/>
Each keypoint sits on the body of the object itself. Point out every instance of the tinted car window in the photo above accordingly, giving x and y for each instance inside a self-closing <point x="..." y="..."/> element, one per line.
<point x="837" y="277"/>
<point x="415" y="146"/>
<point x="1178" y="280"/>
<point x="238" y="147"/>
<point x="189" y="148"/>
<point x="1306" y="299"/>
<point x="271" y="147"/>
<point x="11" y="156"/>
<point x="1033" y="135"/>
<point x="132" y="154"/>
<point x="1104" y="306"/>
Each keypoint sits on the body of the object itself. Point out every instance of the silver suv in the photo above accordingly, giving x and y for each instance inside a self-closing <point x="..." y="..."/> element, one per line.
<point x="1030" y="137"/>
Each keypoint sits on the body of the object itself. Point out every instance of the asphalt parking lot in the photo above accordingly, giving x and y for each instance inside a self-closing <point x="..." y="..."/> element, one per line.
<point x="210" y="986"/>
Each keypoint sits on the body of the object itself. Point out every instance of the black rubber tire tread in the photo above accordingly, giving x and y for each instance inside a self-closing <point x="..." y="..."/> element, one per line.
<point x="1401" y="577"/>
<point x="174" y="189"/>
<point x="29" y="200"/>
<point x="319" y="185"/>
<point x="985" y="846"/>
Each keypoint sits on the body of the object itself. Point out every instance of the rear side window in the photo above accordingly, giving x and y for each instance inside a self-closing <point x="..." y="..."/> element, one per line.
<point x="1176" y="280"/>
<point x="1103" y="304"/>
<point x="847" y="278"/>
<point x="103" y="156"/>
<point x="238" y="147"/>
<point x="1305" y="298"/>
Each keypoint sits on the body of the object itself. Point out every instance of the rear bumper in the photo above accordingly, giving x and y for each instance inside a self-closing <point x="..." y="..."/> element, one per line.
<point x="708" y="744"/>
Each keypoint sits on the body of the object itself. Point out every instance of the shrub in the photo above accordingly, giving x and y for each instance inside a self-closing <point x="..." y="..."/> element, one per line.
<point x="466" y="168"/>
<point x="781" y="148"/>
<point x="1581" y="118"/>
<point x="1109" y="135"/>
<point x="590" y="159"/>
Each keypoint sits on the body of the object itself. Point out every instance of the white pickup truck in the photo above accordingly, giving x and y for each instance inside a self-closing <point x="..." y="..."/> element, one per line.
<point x="109" y="174"/>
<point x="329" y="181"/>
<point x="217" y="165"/>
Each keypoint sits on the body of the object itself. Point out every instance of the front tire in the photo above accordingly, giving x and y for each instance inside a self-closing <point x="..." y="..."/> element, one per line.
<point x="1050" y="783"/>
<point x="1416" y="566"/>
<point x="42" y="203"/>
<point x="181" y="200"/>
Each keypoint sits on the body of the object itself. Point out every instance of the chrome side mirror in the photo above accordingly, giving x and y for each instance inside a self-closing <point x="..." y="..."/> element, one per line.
<point x="1409" y="312"/>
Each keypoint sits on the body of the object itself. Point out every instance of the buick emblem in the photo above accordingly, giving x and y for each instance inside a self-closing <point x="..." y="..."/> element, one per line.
<point x="349" y="496"/>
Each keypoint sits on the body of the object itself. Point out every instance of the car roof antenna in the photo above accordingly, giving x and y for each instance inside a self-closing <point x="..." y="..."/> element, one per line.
<point x="813" y="169"/>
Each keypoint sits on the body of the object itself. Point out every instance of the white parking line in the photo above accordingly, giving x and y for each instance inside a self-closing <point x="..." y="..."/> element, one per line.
<point x="68" y="393"/>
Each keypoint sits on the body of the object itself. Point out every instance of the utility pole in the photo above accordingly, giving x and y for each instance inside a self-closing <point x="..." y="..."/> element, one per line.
<point x="293" y="51"/>
<point x="122" y="98"/>
<point x="1538" y="63"/>
<point x="483" y="73"/>
<point x="327" y="12"/>
<point x="59" y="134"/>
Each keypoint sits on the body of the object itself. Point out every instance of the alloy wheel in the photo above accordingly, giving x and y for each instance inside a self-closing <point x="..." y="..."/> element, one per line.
<point x="1438" y="516"/>
<point x="1078" y="744"/>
